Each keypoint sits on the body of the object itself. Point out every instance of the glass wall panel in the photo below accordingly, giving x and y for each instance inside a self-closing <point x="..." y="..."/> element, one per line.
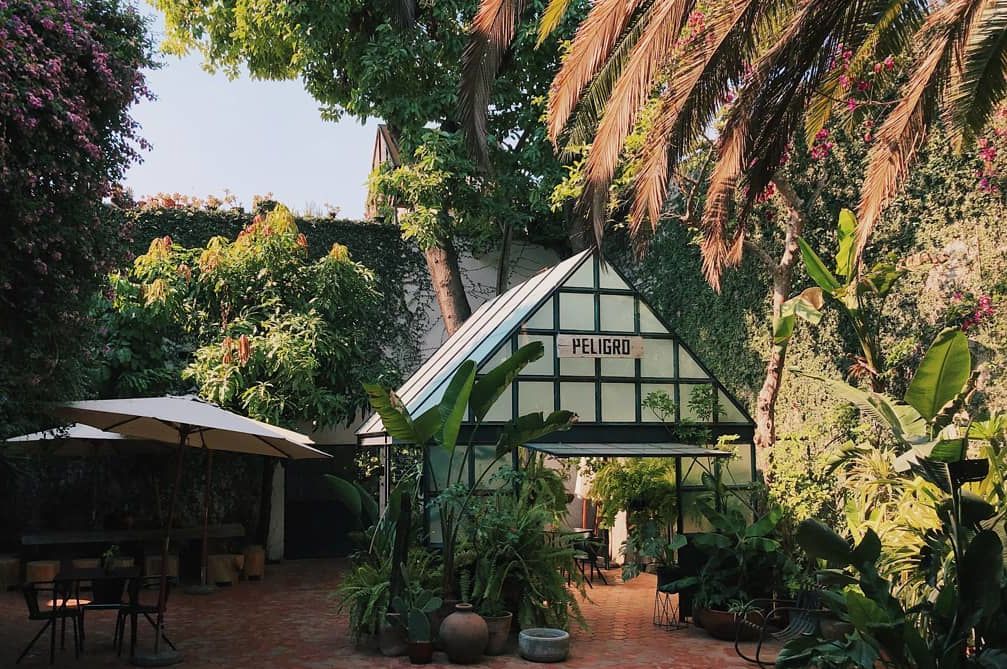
<point x="535" y="396"/>
<point x="618" y="402"/>
<point x="576" y="311"/>
<point x="542" y="318"/>
<point x="648" y="321"/>
<point x="503" y="409"/>
<point x="488" y="466"/>
<point x="658" y="358"/>
<point x="608" y="278"/>
<point x="693" y="520"/>
<point x="648" y="415"/>
<point x="728" y="412"/>
<point x="438" y="476"/>
<point x="501" y="354"/>
<point x="576" y="366"/>
<point x="692" y="470"/>
<point x="688" y="368"/>
<point x="697" y="401"/>
<point x="583" y="277"/>
<point x="617" y="313"/>
<point x="578" y="397"/>
<point x="543" y="365"/>
<point x="618" y="367"/>
<point x="434" y="516"/>
<point x="740" y="468"/>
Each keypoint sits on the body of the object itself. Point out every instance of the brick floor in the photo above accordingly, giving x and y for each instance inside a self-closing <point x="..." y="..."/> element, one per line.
<point x="289" y="621"/>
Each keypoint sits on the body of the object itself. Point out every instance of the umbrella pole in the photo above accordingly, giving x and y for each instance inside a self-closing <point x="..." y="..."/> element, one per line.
<point x="205" y="588"/>
<point x="162" y="658"/>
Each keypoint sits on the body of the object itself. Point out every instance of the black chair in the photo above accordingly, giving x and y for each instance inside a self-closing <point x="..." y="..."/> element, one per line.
<point x="58" y="607"/>
<point x="116" y="603"/>
<point x="586" y="554"/>
<point x="802" y="616"/>
<point x="138" y="606"/>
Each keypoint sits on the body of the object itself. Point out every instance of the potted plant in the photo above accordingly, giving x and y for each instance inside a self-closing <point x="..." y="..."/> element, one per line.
<point x="416" y="605"/>
<point x="108" y="590"/>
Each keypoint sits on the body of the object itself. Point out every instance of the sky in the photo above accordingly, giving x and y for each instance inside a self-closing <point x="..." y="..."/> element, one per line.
<point x="250" y="137"/>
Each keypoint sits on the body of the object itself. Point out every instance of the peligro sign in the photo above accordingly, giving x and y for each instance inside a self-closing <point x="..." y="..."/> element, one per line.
<point x="598" y="346"/>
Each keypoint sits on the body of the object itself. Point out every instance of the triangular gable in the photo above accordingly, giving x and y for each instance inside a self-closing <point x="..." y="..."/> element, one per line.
<point x="583" y="299"/>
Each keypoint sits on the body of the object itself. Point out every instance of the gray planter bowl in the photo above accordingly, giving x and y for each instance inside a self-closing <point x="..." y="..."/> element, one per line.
<point x="542" y="644"/>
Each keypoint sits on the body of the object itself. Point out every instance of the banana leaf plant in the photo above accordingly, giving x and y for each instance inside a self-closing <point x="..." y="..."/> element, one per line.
<point x="441" y="427"/>
<point x="851" y="291"/>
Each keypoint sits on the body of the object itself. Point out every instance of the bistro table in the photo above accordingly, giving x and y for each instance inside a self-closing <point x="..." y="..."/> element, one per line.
<point x="110" y="582"/>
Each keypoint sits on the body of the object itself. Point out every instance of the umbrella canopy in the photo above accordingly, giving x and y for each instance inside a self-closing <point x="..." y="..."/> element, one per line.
<point x="203" y="425"/>
<point x="79" y="440"/>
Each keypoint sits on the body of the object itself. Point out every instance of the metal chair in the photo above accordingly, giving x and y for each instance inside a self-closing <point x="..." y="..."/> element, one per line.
<point x="59" y="608"/>
<point x="136" y="608"/>
<point x="803" y="616"/>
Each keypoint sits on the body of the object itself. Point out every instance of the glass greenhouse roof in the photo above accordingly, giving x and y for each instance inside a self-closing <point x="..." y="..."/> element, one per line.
<point x="563" y="450"/>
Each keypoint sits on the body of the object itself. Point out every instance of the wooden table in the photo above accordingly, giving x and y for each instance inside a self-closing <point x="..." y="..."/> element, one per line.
<point x="65" y="537"/>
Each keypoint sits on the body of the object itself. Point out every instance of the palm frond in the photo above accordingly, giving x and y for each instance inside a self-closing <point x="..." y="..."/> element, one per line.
<point x="634" y="86"/>
<point x="590" y="49"/>
<point x="551" y="18"/>
<point x="492" y="32"/>
<point x="982" y="80"/>
<point x="905" y="127"/>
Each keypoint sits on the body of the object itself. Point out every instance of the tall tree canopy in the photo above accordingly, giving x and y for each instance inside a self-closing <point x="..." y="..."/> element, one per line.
<point x="69" y="71"/>
<point x="369" y="59"/>
<point x="771" y="68"/>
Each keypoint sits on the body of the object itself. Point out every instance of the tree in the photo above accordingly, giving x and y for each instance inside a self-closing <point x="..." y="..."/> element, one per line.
<point x="368" y="59"/>
<point x="254" y="323"/>
<point x="771" y="67"/>
<point x="69" y="71"/>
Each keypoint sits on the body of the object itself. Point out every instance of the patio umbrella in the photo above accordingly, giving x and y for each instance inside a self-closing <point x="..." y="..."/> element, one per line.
<point x="189" y="422"/>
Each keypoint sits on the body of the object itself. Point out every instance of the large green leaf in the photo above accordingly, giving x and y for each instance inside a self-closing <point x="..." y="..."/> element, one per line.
<point x="846" y="234"/>
<point x="820" y="542"/>
<point x="806" y="305"/>
<point x="426" y="426"/>
<point x="347" y="494"/>
<point x="864" y="612"/>
<point x="942" y="373"/>
<point x="766" y="524"/>
<point x="488" y="389"/>
<point x="529" y="427"/>
<point x="980" y="575"/>
<point x="398" y="424"/>
<point x="868" y="550"/>
<point x="906" y="423"/>
<point x="454" y="403"/>
<point x="816" y="268"/>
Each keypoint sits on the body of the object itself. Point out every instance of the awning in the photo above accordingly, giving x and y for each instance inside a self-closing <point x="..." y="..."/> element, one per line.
<point x="561" y="450"/>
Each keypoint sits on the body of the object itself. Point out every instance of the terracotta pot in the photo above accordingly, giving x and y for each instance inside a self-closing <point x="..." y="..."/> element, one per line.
<point x="421" y="652"/>
<point x="392" y="638"/>
<point x="834" y="630"/>
<point x="499" y="632"/>
<point x="367" y="642"/>
<point x="723" y="625"/>
<point x="437" y="618"/>
<point x="464" y="635"/>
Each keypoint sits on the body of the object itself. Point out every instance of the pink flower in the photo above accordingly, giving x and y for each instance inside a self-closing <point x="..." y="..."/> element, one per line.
<point x="889" y="63"/>
<point x="851" y="104"/>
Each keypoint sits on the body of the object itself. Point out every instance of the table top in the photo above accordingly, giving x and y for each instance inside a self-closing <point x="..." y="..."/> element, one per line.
<point x="56" y="537"/>
<point x="96" y="574"/>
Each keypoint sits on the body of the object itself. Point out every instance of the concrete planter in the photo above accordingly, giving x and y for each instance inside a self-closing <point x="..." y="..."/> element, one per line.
<point x="542" y="644"/>
<point x="499" y="630"/>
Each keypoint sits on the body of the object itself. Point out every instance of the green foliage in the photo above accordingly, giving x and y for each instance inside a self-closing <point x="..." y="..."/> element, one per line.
<point x="416" y="604"/>
<point x="253" y="322"/>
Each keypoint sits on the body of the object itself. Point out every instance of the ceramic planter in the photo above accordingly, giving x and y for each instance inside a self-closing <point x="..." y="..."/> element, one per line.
<point x="421" y="652"/>
<point x="464" y="635"/>
<point x="542" y="644"/>
<point x="499" y="632"/>
<point x="723" y="625"/>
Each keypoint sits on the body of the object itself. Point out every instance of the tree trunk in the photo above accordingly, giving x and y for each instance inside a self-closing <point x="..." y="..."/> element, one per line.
<point x="782" y="273"/>
<point x="503" y="267"/>
<point x="446" y="277"/>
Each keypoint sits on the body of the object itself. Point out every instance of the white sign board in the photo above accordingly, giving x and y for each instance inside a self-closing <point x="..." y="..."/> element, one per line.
<point x="598" y="346"/>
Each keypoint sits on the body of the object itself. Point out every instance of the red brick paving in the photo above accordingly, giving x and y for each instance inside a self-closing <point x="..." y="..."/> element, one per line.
<point x="289" y="621"/>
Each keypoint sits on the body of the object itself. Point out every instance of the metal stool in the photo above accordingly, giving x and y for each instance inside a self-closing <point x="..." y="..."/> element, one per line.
<point x="666" y="611"/>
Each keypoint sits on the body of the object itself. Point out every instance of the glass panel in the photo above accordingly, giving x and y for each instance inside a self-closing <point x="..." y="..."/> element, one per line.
<point x="578" y="397"/>
<point x="648" y="415"/>
<point x="437" y="474"/>
<point x="541" y="319"/>
<point x="583" y="277"/>
<point x="740" y="468"/>
<point x="728" y="411"/>
<point x="692" y="470"/>
<point x="688" y="368"/>
<point x="576" y="311"/>
<point x="502" y="354"/>
<point x="658" y="358"/>
<point x="618" y="367"/>
<point x="618" y="402"/>
<point x="697" y="402"/>
<point x="608" y="278"/>
<point x="535" y="396"/>
<point x="617" y="313"/>
<point x="648" y="321"/>
<point x="487" y="468"/>
<point x="576" y="366"/>
<point x="502" y="409"/>
<point x="543" y="365"/>
<point x="434" y="514"/>
<point x="693" y="520"/>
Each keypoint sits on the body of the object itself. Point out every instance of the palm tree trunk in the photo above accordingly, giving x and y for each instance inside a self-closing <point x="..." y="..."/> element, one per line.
<point x="782" y="273"/>
<point x="446" y="277"/>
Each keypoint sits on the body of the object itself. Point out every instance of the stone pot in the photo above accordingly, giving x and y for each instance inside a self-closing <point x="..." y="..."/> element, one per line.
<point x="421" y="652"/>
<point x="393" y="640"/>
<point x="499" y="632"/>
<point x="464" y="635"/>
<point x="542" y="644"/>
